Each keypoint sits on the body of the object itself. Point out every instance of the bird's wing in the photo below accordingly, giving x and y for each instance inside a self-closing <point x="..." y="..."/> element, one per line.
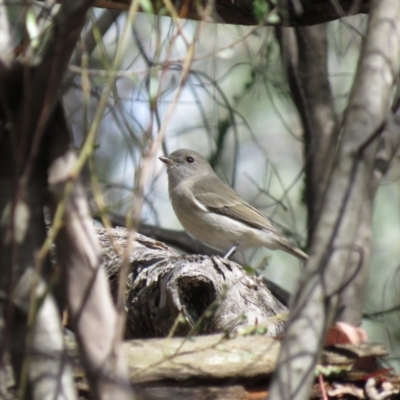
<point x="220" y="198"/>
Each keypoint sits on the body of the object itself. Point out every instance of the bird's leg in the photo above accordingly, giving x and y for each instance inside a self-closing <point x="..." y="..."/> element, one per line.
<point x="231" y="251"/>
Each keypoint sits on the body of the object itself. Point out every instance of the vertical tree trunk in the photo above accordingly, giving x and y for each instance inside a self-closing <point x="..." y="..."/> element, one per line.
<point x="334" y="252"/>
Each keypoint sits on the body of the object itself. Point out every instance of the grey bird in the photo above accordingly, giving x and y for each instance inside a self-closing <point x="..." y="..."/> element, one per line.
<point x="213" y="213"/>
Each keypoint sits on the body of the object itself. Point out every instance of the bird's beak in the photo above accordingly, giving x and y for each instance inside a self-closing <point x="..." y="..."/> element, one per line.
<point x="167" y="161"/>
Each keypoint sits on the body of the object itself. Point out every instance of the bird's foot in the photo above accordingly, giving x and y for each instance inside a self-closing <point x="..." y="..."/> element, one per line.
<point x="231" y="251"/>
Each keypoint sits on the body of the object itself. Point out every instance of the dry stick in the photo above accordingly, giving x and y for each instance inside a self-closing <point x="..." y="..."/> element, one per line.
<point x="90" y="303"/>
<point x="35" y="111"/>
<point x="315" y="301"/>
<point x="133" y="216"/>
<point x="75" y="206"/>
<point x="115" y="360"/>
<point x="128" y="73"/>
<point x="87" y="284"/>
<point x="102" y="24"/>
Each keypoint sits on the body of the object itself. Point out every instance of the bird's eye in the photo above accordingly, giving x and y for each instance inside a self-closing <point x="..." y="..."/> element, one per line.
<point x="190" y="160"/>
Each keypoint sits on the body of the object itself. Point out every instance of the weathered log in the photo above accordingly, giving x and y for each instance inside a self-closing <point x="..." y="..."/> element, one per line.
<point x="181" y="240"/>
<point x="162" y="285"/>
<point x="167" y="293"/>
<point x="222" y="367"/>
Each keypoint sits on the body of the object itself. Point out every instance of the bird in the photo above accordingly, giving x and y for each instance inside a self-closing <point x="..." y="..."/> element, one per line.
<point x="213" y="213"/>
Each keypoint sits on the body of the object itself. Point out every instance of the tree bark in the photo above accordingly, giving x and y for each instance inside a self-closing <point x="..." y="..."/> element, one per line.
<point x="291" y="13"/>
<point x="29" y="96"/>
<point x="90" y="305"/>
<point x="335" y="256"/>
<point x="304" y="53"/>
<point x="225" y="367"/>
<point x="308" y="78"/>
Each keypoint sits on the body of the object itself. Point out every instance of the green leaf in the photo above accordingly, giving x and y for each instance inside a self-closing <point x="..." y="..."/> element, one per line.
<point x="32" y="27"/>
<point x="154" y="83"/>
<point x="147" y="6"/>
<point x="273" y="18"/>
<point x="260" y="9"/>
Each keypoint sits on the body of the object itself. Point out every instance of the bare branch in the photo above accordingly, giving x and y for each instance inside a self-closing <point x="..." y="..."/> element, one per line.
<point x="103" y="24"/>
<point x="305" y="56"/>
<point x="241" y="12"/>
<point x="92" y="311"/>
<point x="334" y="252"/>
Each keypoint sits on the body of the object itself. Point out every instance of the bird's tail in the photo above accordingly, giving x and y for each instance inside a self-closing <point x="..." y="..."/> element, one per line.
<point x="293" y="250"/>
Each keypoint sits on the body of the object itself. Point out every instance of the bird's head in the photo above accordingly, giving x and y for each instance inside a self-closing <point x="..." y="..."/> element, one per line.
<point x="185" y="164"/>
